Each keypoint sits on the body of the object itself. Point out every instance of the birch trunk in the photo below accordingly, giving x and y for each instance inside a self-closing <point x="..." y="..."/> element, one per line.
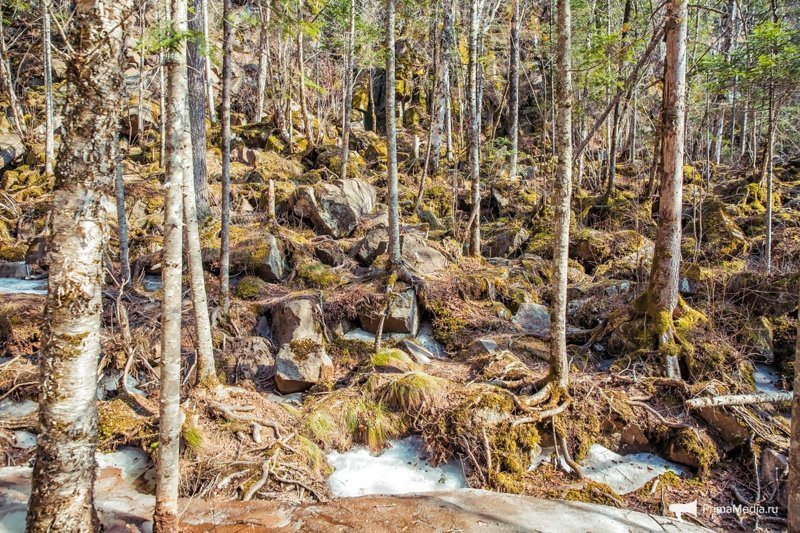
<point x="197" y="109"/>
<point x="302" y="85"/>
<point x="49" y="136"/>
<point x="64" y="469"/>
<point x="611" y="169"/>
<point x="768" y="170"/>
<point x="391" y="140"/>
<point x="225" y="248"/>
<point x="474" y="131"/>
<point x="513" y="94"/>
<point x="348" y="89"/>
<point x="562" y="193"/>
<point x="263" y="56"/>
<point x="209" y="75"/>
<point x="179" y="138"/>
<point x="662" y="291"/>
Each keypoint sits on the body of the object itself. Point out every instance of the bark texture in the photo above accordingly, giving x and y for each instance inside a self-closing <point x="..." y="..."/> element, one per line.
<point x="474" y="130"/>
<point x="562" y="193"/>
<point x="662" y="291"/>
<point x="225" y="246"/>
<point x="513" y="91"/>
<point x="47" y="61"/>
<point x="197" y="108"/>
<point x="178" y="165"/>
<point x="348" y="89"/>
<point x="63" y="475"/>
<point x="391" y="139"/>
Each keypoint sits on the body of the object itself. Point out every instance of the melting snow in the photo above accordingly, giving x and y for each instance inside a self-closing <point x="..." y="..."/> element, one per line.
<point x="23" y="286"/>
<point x="766" y="378"/>
<point x="625" y="473"/>
<point x="398" y="470"/>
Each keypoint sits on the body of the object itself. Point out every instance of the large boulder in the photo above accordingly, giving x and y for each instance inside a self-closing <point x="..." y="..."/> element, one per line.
<point x="421" y="257"/>
<point x="335" y="208"/>
<point x="722" y="236"/>
<point x="301" y="361"/>
<point x="374" y="243"/>
<point x="534" y="319"/>
<point x="507" y="243"/>
<point x="403" y="315"/>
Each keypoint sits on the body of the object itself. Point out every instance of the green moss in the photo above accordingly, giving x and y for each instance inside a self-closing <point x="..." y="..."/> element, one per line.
<point x="393" y="358"/>
<point x="321" y="426"/>
<point x="12" y="252"/>
<point x="593" y="492"/>
<point x="117" y="420"/>
<point x="192" y="437"/>
<point x="250" y="287"/>
<point x="318" y="275"/>
<point x="303" y="348"/>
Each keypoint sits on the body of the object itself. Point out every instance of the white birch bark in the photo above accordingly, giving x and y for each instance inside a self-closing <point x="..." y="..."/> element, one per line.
<point x="64" y="470"/>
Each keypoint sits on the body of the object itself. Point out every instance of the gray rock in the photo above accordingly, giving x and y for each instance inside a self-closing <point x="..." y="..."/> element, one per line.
<point x="507" y="243"/>
<point x="534" y="319"/>
<point x="482" y="346"/>
<point x="302" y="360"/>
<point x="403" y="315"/>
<point x="11" y="148"/>
<point x="273" y="267"/>
<point x="374" y="243"/>
<point x="421" y="257"/>
<point x="419" y="353"/>
<point x="335" y="208"/>
<point x="774" y="473"/>
<point x="253" y="357"/>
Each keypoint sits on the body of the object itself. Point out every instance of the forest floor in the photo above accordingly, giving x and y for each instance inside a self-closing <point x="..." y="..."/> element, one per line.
<point x="465" y="339"/>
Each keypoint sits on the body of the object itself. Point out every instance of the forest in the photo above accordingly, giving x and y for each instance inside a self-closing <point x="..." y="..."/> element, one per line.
<point x="399" y="265"/>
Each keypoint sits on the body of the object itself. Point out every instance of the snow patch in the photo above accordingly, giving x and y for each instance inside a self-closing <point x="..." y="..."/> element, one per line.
<point x="766" y="378"/>
<point x="625" y="473"/>
<point x="9" y="408"/>
<point x="400" y="469"/>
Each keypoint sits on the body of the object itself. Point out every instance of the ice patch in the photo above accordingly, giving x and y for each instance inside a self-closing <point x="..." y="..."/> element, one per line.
<point x="133" y="462"/>
<point x="766" y="378"/>
<point x="25" y="440"/>
<point x="9" y="408"/>
<point x="398" y="470"/>
<point x="23" y="286"/>
<point x="625" y="473"/>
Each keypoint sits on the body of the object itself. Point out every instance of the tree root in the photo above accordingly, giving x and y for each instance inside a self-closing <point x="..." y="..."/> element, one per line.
<point x="233" y="413"/>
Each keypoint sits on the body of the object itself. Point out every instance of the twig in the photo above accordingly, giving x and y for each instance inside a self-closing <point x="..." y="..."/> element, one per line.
<point x="15" y="387"/>
<point x="299" y="484"/>
<point x="255" y="487"/>
<point x="659" y="416"/>
<point x="228" y="412"/>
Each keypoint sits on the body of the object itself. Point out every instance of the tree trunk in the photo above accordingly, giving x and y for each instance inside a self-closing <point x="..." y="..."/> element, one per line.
<point x="391" y="140"/>
<point x="724" y="96"/>
<point x="64" y="469"/>
<point x="49" y="137"/>
<point x="301" y="72"/>
<point x="474" y="130"/>
<point x="140" y="95"/>
<point x="446" y="43"/>
<point x="209" y="77"/>
<point x="562" y="194"/>
<point x="768" y="170"/>
<point x="794" y="449"/>
<point x="611" y="168"/>
<point x="513" y="94"/>
<point x="8" y="83"/>
<point x="224" y="247"/>
<point x="662" y="291"/>
<point x="122" y="219"/>
<point x="179" y="163"/>
<point x="349" y="67"/>
<point x="197" y="109"/>
<point x="263" y="57"/>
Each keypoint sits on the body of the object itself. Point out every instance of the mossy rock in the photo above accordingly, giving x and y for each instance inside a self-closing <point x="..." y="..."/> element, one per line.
<point x="250" y="287"/>
<point x="317" y="275"/>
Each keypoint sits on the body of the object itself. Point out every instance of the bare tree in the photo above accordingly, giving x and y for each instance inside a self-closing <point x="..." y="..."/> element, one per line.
<point x="513" y="91"/>
<point x="562" y="193"/>
<point x="662" y="291"/>
<point x="225" y="246"/>
<point x="794" y="449"/>
<point x="474" y="129"/>
<point x="8" y="84"/>
<point x="198" y="97"/>
<point x="391" y="140"/>
<point x="264" y="13"/>
<point x="47" y="63"/>
<point x="165" y="517"/>
<point x="64" y="470"/>
<point x="349" y="67"/>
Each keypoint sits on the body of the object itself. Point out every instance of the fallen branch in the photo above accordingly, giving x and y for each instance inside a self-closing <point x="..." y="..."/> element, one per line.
<point x="659" y="416"/>
<point x="739" y="399"/>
